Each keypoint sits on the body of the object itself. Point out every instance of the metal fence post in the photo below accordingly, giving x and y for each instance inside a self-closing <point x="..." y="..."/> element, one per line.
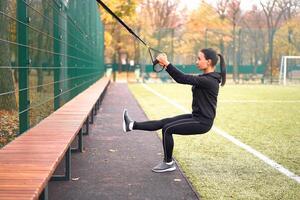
<point x="57" y="57"/>
<point x="24" y="62"/>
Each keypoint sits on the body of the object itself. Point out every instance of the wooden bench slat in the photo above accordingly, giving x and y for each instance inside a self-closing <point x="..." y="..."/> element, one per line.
<point x="34" y="145"/>
<point x="21" y="194"/>
<point x="28" y="162"/>
<point x="24" y="172"/>
<point x="38" y="169"/>
<point x="35" y="158"/>
<point x="17" y="195"/>
<point x="26" y="185"/>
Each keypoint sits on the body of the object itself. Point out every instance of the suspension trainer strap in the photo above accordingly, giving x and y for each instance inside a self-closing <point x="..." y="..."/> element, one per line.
<point x="121" y="22"/>
<point x="155" y="62"/>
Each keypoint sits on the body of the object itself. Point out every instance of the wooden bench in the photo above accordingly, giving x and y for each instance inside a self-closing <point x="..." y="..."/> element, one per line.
<point x="28" y="162"/>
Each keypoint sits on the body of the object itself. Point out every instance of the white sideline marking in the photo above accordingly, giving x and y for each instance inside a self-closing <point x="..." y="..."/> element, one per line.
<point x="259" y="155"/>
<point x="259" y="101"/>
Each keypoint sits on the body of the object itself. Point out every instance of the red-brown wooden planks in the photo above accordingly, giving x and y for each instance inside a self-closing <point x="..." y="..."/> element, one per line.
<point x="28" y="162"/>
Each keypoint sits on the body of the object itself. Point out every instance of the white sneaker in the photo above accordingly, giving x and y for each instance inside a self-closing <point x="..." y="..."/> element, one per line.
<point x="164" y="167"/>
<point x="126" y="121"/>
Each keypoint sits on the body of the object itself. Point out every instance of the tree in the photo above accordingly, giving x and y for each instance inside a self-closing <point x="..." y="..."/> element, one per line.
<point x="204" y="29"/>
<point x="7" y="101"/>
<point x="294" y="35"/>
<point x="43" y="43"/>
<point x="230" y="10"/>
<point x="285" y="42"/>
<point x="116" y="37"/>
<point x="164" y="16"/>
<point x="274" y="11"/>
<point x="252" y="22"/>
<point x="234" y="15"/>
<point x="291" y="11"/>
<point x="222" y="8"/>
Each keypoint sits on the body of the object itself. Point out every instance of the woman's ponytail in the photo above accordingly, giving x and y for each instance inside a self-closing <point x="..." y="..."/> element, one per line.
<point x="223" y="69"/>
<point x="213" y="56"/>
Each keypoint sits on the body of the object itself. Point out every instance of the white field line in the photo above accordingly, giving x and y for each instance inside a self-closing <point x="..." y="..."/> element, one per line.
<point x="257" y="154"/>
<point x="259" y="101"/>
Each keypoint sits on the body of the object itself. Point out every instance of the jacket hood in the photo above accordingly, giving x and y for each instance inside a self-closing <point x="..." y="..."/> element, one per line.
<point x="215" y="75"/>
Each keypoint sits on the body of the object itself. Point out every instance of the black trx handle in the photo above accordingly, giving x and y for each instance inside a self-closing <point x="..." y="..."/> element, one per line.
<point x="156" y="67"/>
<point x="155" y="62"/>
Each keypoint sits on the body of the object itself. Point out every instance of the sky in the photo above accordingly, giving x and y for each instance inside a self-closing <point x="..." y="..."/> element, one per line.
<point x="245" y="4"/>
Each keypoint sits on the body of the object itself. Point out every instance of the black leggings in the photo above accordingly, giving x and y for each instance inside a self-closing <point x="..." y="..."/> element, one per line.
<point x="181" y="124"/>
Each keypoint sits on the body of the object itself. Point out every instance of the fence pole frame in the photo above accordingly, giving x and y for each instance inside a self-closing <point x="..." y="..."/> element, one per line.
<point x="24" y="61"/>
<point x="57" y="57"/>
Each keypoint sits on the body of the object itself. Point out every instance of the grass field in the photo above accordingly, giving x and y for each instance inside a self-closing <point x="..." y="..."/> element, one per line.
<point x="267" y="118"/>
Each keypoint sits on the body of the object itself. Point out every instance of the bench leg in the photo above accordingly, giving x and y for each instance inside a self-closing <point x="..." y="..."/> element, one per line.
<point x="95" y="109"/>
<point x="98" y="104"/>
<point x="80" y="143"/>
<point x="67" y="175"/>
<point x="87" y="126"/>
<point x="44" y="194"/>
<point x="92" y="117"/>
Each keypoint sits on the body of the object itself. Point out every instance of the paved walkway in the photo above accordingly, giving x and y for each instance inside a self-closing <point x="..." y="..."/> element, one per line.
<point x="118" y="166"/>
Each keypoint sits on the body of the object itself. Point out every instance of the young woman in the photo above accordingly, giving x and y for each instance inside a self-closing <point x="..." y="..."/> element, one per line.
<point x="205" y="88"/>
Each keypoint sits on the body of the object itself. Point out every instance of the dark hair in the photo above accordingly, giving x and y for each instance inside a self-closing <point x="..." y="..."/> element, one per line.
<point x="212" y="55"/>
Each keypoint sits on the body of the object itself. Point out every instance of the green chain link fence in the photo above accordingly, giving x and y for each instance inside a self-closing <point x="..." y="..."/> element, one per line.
<point x="50" y="51"/>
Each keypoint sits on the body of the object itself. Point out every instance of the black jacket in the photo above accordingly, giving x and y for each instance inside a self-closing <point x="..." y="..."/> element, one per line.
<point x="205" y="91"/>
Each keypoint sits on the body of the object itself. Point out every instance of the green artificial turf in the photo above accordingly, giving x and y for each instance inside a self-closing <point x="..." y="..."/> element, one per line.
<point x="267" y="118"/>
